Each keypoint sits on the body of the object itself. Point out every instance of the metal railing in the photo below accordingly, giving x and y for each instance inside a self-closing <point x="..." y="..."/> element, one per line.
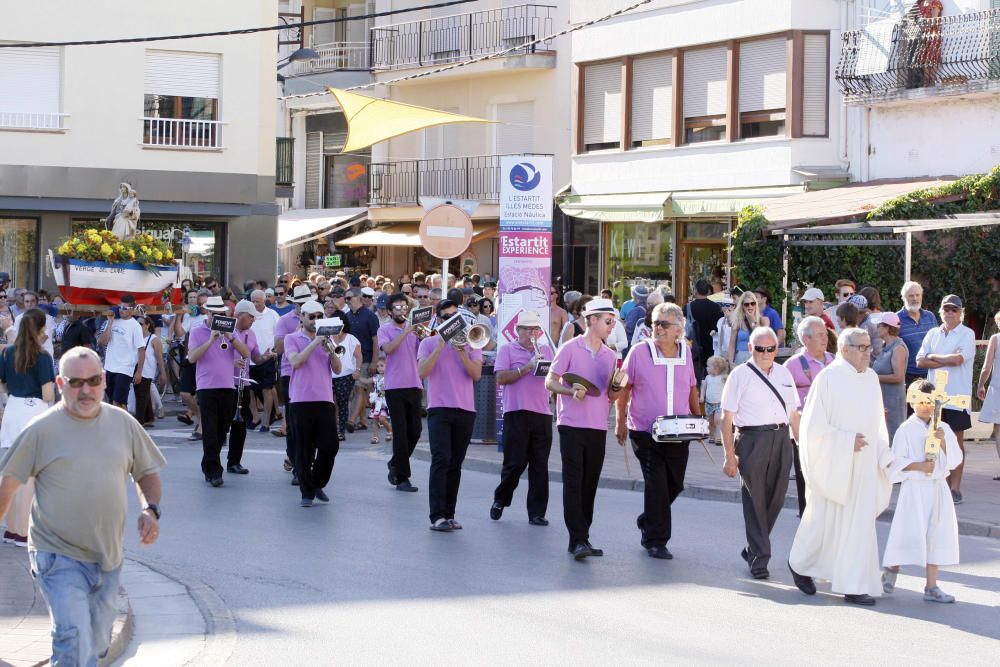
<point x="284" y="161"/>
<point x="888" y="57"/>
<point x="338" y="56"/>
<point x="405" y="181"/>
<point x="459" y="37"/>
<point x="181" y="133"/>
<point x="27" y="120"/>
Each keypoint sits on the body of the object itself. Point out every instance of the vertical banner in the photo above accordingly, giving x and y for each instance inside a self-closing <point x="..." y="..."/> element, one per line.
<point x="525" y="261"/>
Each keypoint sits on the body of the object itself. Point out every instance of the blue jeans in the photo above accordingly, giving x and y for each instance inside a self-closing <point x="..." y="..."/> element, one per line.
<point x="82" y="606"/>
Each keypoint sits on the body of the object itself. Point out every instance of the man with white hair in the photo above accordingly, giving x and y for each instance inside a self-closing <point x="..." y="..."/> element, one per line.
<point x="845" y="452"/>
<point x="265" y="374"/>
<point x="914" y="323"/>
<point x="760" y="400"/>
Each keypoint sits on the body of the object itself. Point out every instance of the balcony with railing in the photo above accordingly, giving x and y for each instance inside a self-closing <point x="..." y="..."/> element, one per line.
<point x="182" y="133"/>
<point x="403" y="182"/>
<point x="334" y="57"/>
<point x="460" y="37"/>
<point x="920" y="57"/>
<point x="27" y="120"/>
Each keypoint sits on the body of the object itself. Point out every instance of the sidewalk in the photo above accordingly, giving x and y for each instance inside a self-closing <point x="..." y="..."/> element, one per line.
<point x="978" y="515"/>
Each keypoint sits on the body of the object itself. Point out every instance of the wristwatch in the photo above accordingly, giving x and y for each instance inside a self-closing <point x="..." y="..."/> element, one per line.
<point x="155" y="509"/>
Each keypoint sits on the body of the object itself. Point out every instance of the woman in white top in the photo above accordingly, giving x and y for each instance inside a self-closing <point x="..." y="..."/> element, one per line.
<point x="350" y="371"/>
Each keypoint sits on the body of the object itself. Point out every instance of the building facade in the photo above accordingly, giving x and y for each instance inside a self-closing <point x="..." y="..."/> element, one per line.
<point x="189" y="123"/>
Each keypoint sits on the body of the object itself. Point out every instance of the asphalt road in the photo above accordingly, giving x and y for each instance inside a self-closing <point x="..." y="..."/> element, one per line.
<point x="362" y="580"/>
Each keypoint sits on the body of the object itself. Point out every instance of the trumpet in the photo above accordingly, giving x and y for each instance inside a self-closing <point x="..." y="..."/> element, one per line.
<point x="333" y="348"/>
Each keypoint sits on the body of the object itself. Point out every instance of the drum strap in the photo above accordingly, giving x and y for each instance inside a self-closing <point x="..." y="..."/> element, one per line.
<point x="670" y="363"/>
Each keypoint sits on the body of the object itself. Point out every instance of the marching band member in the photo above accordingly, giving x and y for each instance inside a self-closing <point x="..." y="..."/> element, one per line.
<point x="582" y="419"/>
<point x="215" y="355"/>
<point x="288" y="324"/>
<point x="451" y="415"/>
<point x="311" y="406"/>
<point x="242" y="407"/>
<point x="403" y="388"/>
<point x="661" y="381"/>
<point x="527" y="420"/>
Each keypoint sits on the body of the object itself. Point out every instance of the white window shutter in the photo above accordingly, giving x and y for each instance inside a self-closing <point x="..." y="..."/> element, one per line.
<point x="515" y="128"/>
<point x="814" y="85"/>
<point x="706" y="89"/>
<point x="314" y="170"/>
<point x="762" y="74"/>
<point x="182" y="74"/>
<point x="652" y="97"/>
<point x="602" y="113"/>
<point x="30" y="80"/>
<point x="325" y="33"/>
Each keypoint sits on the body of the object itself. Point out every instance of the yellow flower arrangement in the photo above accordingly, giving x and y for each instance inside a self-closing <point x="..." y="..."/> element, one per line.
<point x="102" y="245"/>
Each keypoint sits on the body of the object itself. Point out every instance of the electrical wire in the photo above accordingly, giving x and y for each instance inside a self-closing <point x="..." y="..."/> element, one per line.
<point x="239" y="31"/>
<point x="479" y="59"/>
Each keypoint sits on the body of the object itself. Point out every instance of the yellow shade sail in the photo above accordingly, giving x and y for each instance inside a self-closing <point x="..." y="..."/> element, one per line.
<point x="371" y="120"/>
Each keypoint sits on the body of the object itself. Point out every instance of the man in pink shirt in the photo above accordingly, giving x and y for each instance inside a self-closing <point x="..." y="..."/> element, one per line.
<point x="288" y="324"/>
<point x="527" y="420"/>
<point x="451" y="415"/>
<point x="804" y="366"/>
<point x="311" y="406"/>
<point x="403" y="389"/>
<point x="582" y="419"/>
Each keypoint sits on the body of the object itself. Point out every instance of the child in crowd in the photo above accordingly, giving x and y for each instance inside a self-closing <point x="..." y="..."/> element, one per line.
<point x="379" y="411"/>
<point x="711" y="395"/>
<point x="924" y="528"/>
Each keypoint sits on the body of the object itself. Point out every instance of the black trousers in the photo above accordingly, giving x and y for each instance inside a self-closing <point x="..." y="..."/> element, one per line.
<point x="404" y="416"/>
<point x="765" y="459"/>
<point x="663" y="466"/>
<point x="216" y="406"/>
<point x="449" y="431"/>
<point x="317" y="442"/>
<point x="290" y="446"/>
<point x="582" y="451"/>
<point x="527" y="442"/>
<point x="238" y="428"/>
<point x="800" y="481"/>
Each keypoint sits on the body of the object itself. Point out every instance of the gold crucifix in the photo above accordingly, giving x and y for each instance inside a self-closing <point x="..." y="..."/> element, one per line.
<point x="932" y="446"/>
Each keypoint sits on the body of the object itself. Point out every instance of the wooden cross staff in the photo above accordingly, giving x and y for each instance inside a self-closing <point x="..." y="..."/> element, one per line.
<point x="932" y="446"/>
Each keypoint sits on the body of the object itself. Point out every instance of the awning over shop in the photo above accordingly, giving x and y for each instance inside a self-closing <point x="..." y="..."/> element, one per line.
<point x="303" y="225"/>
<point x="841" y="204"/>
<point x="695" y="203"/>
<point x="407" y="235"/>
<point x="658" y="206"/>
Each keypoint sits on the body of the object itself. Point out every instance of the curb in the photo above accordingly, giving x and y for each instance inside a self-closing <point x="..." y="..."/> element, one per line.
<point x="965" y="527"/>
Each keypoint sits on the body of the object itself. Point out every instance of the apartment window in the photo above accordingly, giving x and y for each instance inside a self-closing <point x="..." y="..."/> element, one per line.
<point x="706" y="92"/>
<point x="652" y="100"/>
<point x="29" y="88"/>
<point x="602" y="111"/>
<point x="815" y="85"/>
<point x="181" y="100"/>
<point x="762" y="88"/>
<point x="515" y="128"/>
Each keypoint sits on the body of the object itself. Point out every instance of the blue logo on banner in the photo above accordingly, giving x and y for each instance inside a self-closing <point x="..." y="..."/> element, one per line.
<point x="525" y="177"/>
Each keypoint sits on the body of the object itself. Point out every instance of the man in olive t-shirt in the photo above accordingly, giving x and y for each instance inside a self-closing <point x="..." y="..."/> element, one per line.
<point x="81" y="452"/>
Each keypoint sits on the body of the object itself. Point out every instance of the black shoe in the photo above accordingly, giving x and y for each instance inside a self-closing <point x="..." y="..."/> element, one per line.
<point x="393" y="479"/>
<point x="321" y="496"/>
<point x="306" y="502"/>
<point x="496" y="511"/>
<point x="184" y="419"/>
<point x="442" y="526"/>
<point x="594" y="551"/>
<point x="342" y="437"/>
<point x="864" y="599"/>
<point x="287" y="465"/>
<point x="237" y="469"/>
<point x="216" y="482"/>
<point x="802" y="582"/>
<point x="640" y="523"/>
<point x="659" y="552"/>
<point x="760" y="573"/>
<point x="295" y="479"/>
<point x="406" y="486"/>
<point x="745" y="555"/>
<point x="538" y="521"/>
<point x="581" y="551"/>
<point x="350" y="427"/>
<point x="454" y="524"/>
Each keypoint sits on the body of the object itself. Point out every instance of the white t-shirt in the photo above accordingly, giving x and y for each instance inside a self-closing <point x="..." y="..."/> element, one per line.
<point x="123" y="351"/>
<point x="347" y="366"/>
<point x="191" y="321"/>
<point x="263" y="328"/>
<point x="50" y="330"/>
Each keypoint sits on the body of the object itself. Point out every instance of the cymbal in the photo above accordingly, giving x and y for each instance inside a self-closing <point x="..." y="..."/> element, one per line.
<point x="573" y="378"/>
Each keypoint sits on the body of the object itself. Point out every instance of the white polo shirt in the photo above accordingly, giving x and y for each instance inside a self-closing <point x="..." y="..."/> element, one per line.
<point x="752" y="403"/>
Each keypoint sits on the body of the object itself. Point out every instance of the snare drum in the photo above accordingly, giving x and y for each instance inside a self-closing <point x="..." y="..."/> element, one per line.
<point x="680" y="429"/>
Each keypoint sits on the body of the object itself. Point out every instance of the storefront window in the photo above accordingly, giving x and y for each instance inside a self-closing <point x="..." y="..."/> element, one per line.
<point x="576" y="253"/>
<point x="19" y="251"/>
<point x="639" y="253"/>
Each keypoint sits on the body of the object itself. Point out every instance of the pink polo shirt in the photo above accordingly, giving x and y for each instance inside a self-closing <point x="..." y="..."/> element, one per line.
<point x="312" y="381"/>
<point x="527" y="392"/>
<point x="448" y="385"/>
<point x="794" y="366"/>
<point x="576" y="357"/>
<point x="287" y="324"/>
<point x="401" y="365"/>
<point x="752" y="403"/>
<point x="217" y="367"/>
<point x="649" y="385"/>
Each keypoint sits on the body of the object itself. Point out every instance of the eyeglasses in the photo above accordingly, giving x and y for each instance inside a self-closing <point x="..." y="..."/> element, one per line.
<point x="770" y="349"/>
<point x="314" y="316"/>
<point x="610" y="321"/>
<point x="3" y="296"/>
<point x="124" y="307"/>
<point x="76" y="383"/>
<point x="750" y="304"/>
<point x="280" y="293"/>
<point x="951" y="309"/>
<point x="664" y="324"/>
<point x="846" y="295"/>
<point x="863" y="348"/>
<point x="400" y="306"/>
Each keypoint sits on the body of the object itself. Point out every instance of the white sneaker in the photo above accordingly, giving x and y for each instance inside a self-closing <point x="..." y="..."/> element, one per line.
<point x="937" y="595"/>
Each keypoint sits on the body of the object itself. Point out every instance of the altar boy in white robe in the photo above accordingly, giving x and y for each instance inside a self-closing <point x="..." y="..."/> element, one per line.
<point x="924" y="527"/>
<point x="844" y="448"/>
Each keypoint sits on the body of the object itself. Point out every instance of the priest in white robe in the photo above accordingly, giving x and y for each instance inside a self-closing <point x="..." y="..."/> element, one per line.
<point x="844" y="447"/>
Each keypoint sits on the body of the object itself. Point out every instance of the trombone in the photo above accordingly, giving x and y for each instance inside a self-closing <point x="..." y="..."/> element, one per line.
<point x="476" y="336"/>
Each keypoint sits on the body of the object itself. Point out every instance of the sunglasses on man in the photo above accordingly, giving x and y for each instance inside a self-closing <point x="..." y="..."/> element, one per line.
<point x="770" y="349"/>
<point x="92" y="381"/>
